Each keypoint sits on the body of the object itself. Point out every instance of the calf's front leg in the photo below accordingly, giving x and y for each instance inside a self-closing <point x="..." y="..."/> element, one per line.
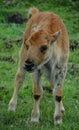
<point x="37" y="92"/>
<point x="18" y="83"/>
<point x="19" y="78"/>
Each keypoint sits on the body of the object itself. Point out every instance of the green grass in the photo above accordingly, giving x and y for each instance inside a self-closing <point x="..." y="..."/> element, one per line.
<point x="21" y="118"/>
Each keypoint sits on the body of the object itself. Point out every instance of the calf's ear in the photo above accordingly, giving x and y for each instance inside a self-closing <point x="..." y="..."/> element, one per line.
<point x="55" y="36"/>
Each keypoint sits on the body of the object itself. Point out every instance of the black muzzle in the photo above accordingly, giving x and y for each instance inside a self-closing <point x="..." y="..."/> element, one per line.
<point x="29" y="66"/>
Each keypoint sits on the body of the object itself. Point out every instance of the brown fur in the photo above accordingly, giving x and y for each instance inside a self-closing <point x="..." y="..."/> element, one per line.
<point x="46" y="46"/>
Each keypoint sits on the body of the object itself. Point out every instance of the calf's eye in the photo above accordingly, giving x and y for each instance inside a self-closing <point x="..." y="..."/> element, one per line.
<point x="43" y="48"/>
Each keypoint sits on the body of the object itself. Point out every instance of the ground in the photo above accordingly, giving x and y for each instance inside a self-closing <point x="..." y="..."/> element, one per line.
<point x="10" y="43"/>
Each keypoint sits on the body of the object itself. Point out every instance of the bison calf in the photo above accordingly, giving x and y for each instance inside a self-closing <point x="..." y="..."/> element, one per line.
<point x="45" y="49"/>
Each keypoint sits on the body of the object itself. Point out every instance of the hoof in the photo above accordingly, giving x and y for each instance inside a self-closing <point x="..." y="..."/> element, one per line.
<point x="35" y="120"/>
<point x="57" y="120"/>
<point x="12" y="106"/>
<point x="35" y="116"/>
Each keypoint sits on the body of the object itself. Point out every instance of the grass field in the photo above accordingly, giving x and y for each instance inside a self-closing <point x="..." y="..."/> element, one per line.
<point x="9" y="57"/>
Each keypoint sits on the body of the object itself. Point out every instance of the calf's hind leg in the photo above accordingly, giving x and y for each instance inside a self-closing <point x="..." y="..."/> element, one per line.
<point x="57" y="92"/>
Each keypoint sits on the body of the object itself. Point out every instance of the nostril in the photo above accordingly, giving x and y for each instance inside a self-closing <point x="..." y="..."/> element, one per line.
<point x="28" y="62"/>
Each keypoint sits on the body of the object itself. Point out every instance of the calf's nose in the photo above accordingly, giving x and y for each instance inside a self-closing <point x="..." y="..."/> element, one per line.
<point x="29" y="65"/>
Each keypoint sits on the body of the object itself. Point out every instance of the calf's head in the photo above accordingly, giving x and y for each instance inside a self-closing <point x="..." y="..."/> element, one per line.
<point x="38" y="49"/>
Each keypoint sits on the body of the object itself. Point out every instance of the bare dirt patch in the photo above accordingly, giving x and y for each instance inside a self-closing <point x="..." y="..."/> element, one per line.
<point x="16" y="18"/>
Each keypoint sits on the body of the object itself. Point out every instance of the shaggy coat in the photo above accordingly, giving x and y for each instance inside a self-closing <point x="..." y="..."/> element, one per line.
<point x="45" y="49"/>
